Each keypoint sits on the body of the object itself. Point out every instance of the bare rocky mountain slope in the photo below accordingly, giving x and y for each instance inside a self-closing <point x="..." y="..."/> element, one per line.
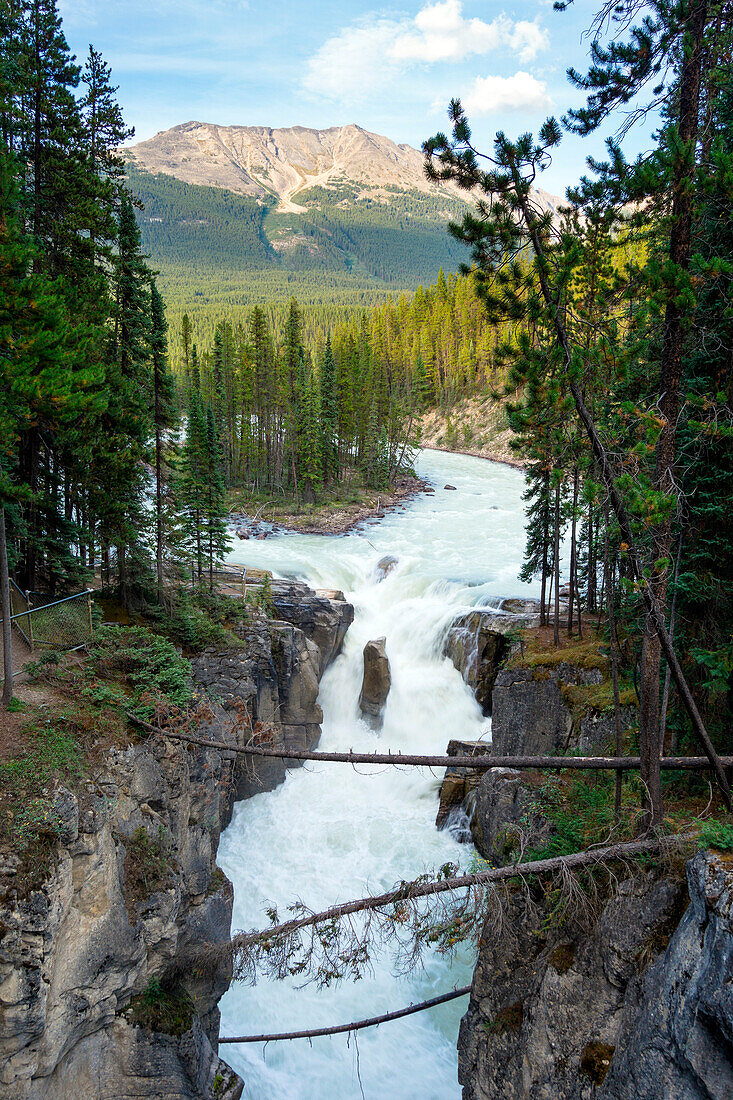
<point x="262" y="162"/>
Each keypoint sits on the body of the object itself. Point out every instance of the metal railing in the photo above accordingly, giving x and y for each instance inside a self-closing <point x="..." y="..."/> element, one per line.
<point x="19" y="613"/>
<point x="230" y="575"/>
<point x="61" y="624"/>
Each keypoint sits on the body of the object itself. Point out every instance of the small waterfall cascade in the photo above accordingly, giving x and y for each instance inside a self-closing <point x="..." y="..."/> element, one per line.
<point x="330" y="832"/>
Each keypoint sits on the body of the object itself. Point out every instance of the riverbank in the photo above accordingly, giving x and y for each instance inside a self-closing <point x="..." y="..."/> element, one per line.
<point x="332" y="515"/>
<point x="476" y="426"/>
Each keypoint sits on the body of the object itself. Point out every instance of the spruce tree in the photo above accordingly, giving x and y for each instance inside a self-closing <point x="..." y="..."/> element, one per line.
<point x="163" y="417"/>
<point x="329" y="418"/>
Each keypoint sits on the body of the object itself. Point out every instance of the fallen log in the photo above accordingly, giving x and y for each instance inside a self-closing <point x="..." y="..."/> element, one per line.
<point x="483" y="762"/>
<point x="356" y="1026"/>
<point x="418" y="888"/>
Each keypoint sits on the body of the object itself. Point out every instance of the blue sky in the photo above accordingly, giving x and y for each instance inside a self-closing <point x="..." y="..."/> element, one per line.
<point x="330" y="62"/>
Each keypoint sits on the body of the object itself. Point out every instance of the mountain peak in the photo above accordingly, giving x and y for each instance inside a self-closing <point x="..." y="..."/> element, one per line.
<point x="263" y="161"/>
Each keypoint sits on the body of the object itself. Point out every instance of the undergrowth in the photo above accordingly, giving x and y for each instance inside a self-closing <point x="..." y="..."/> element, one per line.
<point x="162" y="1007"/>
<point x="199" y="618"/>
<point x="147" y="668"/>
<point x="57" y="743"/>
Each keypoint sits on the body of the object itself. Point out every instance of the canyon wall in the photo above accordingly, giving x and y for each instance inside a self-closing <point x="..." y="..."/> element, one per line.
<point x="134" y="887"/>
<point x="623" y="992"/>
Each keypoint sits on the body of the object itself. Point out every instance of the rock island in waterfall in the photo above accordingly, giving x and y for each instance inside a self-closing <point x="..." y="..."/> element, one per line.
<point x="366" y="572"/>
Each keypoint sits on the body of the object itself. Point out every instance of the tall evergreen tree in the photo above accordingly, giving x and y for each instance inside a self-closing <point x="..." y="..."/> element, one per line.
<point x="163" y="417"/>
<point x="329" y="445"/>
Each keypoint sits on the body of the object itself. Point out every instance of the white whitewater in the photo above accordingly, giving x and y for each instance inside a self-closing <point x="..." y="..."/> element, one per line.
<point x="329" y="832"/>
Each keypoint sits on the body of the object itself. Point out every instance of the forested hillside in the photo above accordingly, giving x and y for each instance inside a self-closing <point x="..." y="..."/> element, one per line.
<point x="221" y="252"/>
<point x="95" y="471"/>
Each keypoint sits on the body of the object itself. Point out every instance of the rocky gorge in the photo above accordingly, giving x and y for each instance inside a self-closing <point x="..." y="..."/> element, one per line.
<point x="98" y="996"/>
<point x="86" y="957"/>
<point x="627" y="994"/>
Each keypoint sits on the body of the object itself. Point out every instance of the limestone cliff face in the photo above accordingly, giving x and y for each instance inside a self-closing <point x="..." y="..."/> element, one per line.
<point x="633" y="1002"/>
<point x="75" y="952"/>
<point x="610" y="1012"/>
<point x="135" y="886"/>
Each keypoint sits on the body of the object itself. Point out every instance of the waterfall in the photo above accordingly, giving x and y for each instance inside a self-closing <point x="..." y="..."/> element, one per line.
<point x="330" y="832"/>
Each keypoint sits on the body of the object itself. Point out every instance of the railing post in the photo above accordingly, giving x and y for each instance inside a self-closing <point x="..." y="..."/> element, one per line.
<point x="89" y="608"/>
<point x="30" y="621"/>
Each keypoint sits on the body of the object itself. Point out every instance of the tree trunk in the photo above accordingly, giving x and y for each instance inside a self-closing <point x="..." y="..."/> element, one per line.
<point x="666" y="742"/>
<point x="556" y="620"/>
<point x="573" y="558"/>
<point x="648" y="591"/>
<point x="158" y="505"/>
<point x="5" y="608"/>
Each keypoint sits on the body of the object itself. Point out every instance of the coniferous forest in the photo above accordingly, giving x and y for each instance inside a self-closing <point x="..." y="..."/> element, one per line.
<point x="185" y="369"/>
<point x="119" y="453"/>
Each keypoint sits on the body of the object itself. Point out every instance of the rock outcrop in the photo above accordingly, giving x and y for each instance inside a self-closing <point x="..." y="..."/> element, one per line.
<point x="627" y="997"/>
<point x="324" y="617"/>
<point x="676" y="1037"/>
<point x="530" y="713"/>
<point x="133" y="886"/>
<point x="630" y="1008"/>
<point x="479" y="642"/>
<point x="377" y="679"/>
<point x="457" y="788"/>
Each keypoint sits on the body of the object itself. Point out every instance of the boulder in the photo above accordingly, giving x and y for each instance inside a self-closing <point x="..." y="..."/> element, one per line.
<point x="451" y="487"/>
<point x="377" y="678"/>
<point x="385" y="566"/>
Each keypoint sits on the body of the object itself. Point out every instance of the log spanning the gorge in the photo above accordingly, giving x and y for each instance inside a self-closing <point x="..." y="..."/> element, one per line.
<point x="483" y="762"/>
<point x="357" y="1025"/>
<point x="419" y="888"/>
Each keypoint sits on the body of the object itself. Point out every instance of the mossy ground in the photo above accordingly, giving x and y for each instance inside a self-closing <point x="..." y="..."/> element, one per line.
<point x="51" y="739"/>
<point x="67" y="715"/>
<point x="539" y="651"/>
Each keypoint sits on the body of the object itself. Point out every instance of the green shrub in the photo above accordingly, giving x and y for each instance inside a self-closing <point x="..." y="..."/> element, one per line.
<point x="148" y="864"/>
<point x="162" y="1007"/>
<point x="149" y="664"/>
<point x="717" y="833"/>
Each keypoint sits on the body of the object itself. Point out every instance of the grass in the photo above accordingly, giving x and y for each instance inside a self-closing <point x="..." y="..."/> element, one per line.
<point x="162" y="1007"/>
<point x="56" y="741"/>
<point x="148" y="866"/>
<point x="585" y="654"/>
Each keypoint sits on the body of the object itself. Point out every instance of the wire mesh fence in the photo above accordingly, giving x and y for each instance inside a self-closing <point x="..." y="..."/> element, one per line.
<point x="63" y="624"/>
<point x="60" y="624"/>
<point x="19" y="613"/>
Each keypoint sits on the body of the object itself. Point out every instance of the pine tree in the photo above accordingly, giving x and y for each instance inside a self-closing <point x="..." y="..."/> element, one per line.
<point x="214" y="505"/>
<point x="190" y="490"/>
<point x="329" y="418"/>
<point x="163" y="416"/>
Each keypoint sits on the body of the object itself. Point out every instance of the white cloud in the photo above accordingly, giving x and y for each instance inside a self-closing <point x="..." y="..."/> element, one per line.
<point x="354" y="61"/>
<point x="439" y="32"/>
<point x="375" y="50"/>
<point x="489" y="95"/>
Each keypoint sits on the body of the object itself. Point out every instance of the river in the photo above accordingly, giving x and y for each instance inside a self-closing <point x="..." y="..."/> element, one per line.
<point x="330" y="832"/>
